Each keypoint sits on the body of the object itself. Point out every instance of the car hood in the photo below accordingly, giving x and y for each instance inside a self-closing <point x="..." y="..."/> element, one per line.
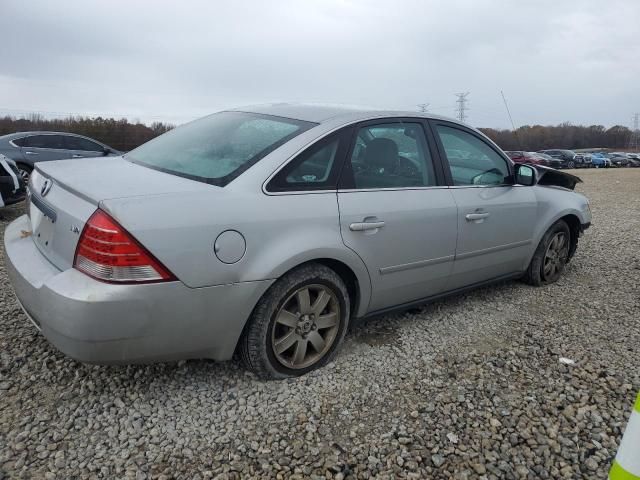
<point x="104" y="178"/>
<point x="551" y="176"/>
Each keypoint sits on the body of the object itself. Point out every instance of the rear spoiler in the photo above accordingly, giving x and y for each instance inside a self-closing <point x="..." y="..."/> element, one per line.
<point x="551" y="176"/>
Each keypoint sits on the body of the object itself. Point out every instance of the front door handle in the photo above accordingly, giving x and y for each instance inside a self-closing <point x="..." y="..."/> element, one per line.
<point x="362" y="226"/>
<point x="75" y="155"/>
<point x="31" y="153"/>
<point x="476" y="216"/>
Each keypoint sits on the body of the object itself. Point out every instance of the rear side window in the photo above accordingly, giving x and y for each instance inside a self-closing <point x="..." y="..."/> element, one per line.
<point x="392" y="155"/>
<point x="19" y="141"/>
<point x="316" y="168"/>
<point x="218" y="148"/>
<point x="79" y="143"/>
<point x="44" y="141"/>
<point x="471" y="160"/>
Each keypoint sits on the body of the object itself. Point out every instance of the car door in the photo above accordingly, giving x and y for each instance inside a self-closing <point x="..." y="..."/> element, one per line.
<point x="44" y="147"/>
<point x="396" y="213"/>
<point x="496" y="219"/>
<point x="80" y="147"/>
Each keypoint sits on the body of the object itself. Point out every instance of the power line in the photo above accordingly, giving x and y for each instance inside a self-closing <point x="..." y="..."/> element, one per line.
<point x="462" y="106"/>
<point x="513" y="125"/>
<point x="634" y="140"/>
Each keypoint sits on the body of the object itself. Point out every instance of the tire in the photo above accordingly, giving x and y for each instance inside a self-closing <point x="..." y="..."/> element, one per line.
<point x="24" y="171"/>
<point x="571" y="164"/>
<point x="285" y="301"/>
<point x="538" y="273"/>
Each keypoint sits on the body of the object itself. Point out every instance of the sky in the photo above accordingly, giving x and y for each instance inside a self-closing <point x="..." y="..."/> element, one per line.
<point x="556" y="61"/>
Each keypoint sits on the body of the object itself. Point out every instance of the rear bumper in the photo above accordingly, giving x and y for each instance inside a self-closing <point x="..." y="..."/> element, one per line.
<point x="98" y="322"/>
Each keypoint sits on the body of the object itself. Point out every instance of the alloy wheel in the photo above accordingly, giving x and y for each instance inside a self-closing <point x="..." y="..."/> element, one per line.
<point x="306" y="326"/>
<point x="556" y="256"/>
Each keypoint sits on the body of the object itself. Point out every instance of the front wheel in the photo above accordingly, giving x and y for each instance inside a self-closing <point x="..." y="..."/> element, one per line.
<point x="298" y="325"/>
<point x="551" y="256"/>
<point x="571" y="164"/>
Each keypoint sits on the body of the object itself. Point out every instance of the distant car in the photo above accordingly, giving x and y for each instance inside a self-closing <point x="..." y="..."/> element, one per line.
<point x="263" y="231"/>
<point x="583" y="160"/>
<point x="551" y="162"/>
<point x="531" y="158"/>
<point x="568" y="157"/>
<point x="599" y="160"/>
<point x="27" y="148"/>
<point x="12" y="187"/>
<point x="633" y="162"/>
<point x="619" y="159"/>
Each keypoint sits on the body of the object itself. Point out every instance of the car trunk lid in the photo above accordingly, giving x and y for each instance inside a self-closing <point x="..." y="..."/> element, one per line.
<point x="64" y="194"/>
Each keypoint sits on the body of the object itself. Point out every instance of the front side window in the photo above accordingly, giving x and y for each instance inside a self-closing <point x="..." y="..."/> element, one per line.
<point x="218" y="148"/>
<point x="471" y="160"/>
<point x="392" y="155"/>
<point x="79" y="143"/>
<point x="44" y="141"/>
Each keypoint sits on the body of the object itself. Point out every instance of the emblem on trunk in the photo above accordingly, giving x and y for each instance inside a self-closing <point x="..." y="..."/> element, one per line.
<point x="46" y="186"/>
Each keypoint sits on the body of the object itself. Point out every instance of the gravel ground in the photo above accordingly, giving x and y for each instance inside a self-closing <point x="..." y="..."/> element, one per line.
<point x="468" y="387"/>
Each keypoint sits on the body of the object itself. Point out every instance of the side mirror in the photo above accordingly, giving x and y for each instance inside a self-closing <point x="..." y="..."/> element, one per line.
<point x="525" y="175"/>
<point x="106" y="151"/>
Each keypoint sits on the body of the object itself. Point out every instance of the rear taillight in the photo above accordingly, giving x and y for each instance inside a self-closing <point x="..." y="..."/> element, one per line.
<point x="107" y="252"/>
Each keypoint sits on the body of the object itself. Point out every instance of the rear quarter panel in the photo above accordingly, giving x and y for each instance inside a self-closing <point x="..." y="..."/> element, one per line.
<point x="281" y="232"/>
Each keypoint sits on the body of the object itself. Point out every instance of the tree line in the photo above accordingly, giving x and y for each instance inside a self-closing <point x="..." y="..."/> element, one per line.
<point x="565" y="136"/>
<point x="123" y="135"/>
<point x="119" y="134"/>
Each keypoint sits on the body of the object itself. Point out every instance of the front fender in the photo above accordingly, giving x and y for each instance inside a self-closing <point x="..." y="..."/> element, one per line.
<point x="554" y="204"/>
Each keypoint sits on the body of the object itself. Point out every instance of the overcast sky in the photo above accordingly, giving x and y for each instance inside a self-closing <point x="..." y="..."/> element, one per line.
<point x="560" y="60"/>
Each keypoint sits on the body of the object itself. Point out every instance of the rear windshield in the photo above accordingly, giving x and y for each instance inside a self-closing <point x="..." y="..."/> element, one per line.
<point x="218" y="148"/>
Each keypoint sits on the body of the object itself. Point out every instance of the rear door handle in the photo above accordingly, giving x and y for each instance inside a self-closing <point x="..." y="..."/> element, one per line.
<point x="362" y="226"/>
<point x="31" y="153"/>
<point x="75" y="155"/>
<point x="476" y="216"/>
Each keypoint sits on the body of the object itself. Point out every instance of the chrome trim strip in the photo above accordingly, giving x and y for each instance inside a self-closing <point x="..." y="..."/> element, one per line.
<point x="499" y="248"/>
<point x="43" y="206"/>
<point x="391" y="189"/>
<point x="418" y="264"/>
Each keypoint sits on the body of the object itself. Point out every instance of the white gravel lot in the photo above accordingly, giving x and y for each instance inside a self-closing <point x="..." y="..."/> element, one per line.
<point x="468" y="387"/>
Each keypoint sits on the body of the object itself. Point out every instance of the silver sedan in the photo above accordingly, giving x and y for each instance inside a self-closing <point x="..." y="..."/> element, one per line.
<point x="266" y="230"/>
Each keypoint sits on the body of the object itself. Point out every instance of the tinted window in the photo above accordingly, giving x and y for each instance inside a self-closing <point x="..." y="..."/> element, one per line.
<point x="392" y="155"/>
<point x="19" y="141"/>
<point x="44" y="141"/>
<point x="79" y="143"/>
<point x="217" y="148"/>
<point x="471" y="160"/>
<point x="314" y="169"/>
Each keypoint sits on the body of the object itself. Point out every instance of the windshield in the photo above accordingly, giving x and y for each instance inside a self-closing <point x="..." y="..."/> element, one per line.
<point x="218" y="148"/>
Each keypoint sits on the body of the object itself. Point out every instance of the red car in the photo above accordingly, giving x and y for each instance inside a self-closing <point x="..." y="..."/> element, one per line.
<point x="528" y="157"/>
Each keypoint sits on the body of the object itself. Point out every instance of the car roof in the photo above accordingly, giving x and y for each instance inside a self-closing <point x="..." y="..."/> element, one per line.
<point x="319" y="113"/>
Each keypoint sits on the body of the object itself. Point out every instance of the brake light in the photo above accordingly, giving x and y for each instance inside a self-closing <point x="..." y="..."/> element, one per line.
<point x="109" y="253"/>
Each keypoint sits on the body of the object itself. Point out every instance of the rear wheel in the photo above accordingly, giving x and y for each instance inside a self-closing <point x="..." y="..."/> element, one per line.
<point x="298" y="325"/>
<point x="571" y="164"/>
<point x="551" y="256"/>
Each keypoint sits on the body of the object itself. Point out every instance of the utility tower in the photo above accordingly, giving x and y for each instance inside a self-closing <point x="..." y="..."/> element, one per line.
<point x="423" y="107"/>
<point x="462" y="106"/>
<point x="634" y="141"/>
